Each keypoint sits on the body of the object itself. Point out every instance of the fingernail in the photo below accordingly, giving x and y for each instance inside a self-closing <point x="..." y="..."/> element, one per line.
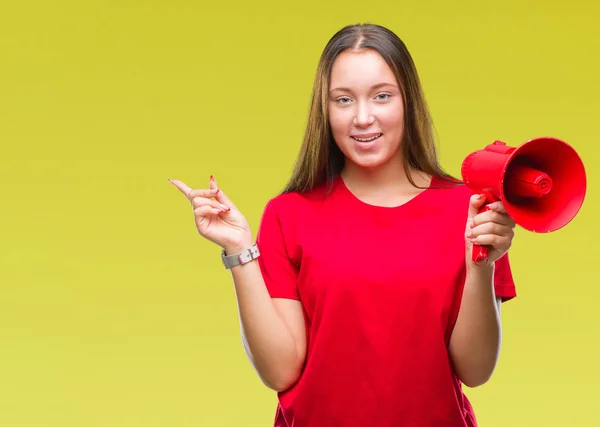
<point x="214" y="191"/>
<point x="469" y="234"/>
<point x="225" y="208"/>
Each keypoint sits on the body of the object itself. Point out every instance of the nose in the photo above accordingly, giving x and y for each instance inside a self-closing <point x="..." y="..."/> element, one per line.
<point x="363" y="117"/>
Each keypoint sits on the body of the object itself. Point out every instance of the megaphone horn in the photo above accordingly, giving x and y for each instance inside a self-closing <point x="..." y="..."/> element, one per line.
<point x="542" y="183"/>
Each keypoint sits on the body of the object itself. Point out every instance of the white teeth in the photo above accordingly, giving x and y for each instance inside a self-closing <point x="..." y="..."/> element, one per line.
<point x="367" y="139"/>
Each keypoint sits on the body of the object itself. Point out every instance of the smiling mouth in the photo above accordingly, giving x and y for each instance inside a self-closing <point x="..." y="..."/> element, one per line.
<point x="369" y="139"/>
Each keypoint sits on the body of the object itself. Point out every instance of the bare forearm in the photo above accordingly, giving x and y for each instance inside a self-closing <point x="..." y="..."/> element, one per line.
<point x="475" y="342"/>
<point x="272" y="333"/>
<point x="268" y="342"/>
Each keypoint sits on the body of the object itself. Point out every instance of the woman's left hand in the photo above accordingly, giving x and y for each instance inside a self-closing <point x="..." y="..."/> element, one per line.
<point x="493" y="228"/>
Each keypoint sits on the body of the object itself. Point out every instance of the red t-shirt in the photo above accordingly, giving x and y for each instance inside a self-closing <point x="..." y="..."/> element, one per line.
<point x="381" y="289"/>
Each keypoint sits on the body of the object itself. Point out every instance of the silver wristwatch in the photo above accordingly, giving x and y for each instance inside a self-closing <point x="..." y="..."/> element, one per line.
<point x="244" y="257"/>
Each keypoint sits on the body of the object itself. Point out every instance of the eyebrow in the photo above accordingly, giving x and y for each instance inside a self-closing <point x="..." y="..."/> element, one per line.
<point x="377" y="86"/>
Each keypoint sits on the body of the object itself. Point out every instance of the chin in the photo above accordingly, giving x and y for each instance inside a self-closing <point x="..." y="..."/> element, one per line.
<point x="369" y="162"/>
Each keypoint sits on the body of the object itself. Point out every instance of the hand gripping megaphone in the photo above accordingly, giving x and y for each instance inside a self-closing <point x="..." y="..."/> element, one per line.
<point x="542" y="183"/>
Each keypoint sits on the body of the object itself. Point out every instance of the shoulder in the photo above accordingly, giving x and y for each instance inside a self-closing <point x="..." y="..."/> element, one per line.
<point x="451" y="189"/>
<point x="449" y="197"/>
<point x="289" y="208"/>
<point x="287" y="217"/>
<point x="292" y="203"/>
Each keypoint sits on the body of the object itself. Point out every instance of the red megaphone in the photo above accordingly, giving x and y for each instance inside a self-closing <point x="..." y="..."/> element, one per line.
<point x="541" y="183"/>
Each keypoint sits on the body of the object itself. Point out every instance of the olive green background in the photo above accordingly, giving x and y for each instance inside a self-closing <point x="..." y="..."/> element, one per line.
<point x="114" y="312"/>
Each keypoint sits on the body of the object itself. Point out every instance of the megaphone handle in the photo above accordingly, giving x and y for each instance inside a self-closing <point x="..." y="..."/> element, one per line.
<point x="480" y="253"/>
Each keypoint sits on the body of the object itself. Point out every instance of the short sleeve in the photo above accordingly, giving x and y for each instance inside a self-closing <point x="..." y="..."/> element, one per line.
<point x="504" y="284"/>
<point x="280" y="273"/>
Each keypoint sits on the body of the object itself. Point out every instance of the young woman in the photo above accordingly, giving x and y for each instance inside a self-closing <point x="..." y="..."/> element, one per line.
<point x="359" y="302"/>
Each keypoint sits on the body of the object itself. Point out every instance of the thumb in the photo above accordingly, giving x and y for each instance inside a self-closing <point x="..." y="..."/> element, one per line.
<point x="475" y="204"/>
<point x="220" y="196"/>
<point x="213" y="183"/>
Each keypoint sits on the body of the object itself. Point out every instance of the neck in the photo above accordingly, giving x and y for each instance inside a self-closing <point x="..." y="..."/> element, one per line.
<point x="384" y="184"/>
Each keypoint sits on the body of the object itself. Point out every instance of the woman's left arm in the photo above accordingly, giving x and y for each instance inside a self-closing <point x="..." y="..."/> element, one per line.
<point x="475" y="342"/>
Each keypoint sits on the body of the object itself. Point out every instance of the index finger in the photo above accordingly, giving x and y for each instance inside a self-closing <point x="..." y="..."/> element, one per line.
<point x="181" y="187"/>
<point x="491" y="216"/>
<point x="203" y="193"/>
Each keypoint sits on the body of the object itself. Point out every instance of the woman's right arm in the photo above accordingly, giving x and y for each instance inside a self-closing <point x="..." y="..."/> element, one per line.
<point x="272" y="329"/>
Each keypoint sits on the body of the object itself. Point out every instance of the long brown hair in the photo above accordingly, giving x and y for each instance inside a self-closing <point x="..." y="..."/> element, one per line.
<point x="320" y="159"/>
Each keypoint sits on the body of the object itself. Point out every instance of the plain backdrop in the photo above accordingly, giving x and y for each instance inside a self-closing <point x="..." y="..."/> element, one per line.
<point x="114" y="312"/>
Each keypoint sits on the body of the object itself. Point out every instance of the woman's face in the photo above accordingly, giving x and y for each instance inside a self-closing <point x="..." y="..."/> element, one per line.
<point x="366" y="111"/>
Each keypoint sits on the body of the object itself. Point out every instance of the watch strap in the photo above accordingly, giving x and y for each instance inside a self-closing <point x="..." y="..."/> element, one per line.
<point x="241" y="258"/>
